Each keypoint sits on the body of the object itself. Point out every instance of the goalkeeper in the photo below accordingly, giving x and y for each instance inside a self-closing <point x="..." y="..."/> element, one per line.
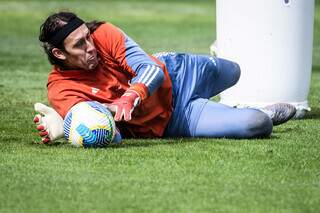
<point x="166" y="95"/>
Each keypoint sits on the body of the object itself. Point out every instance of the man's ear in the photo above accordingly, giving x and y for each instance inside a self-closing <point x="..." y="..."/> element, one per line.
<point x="59" y="54"/>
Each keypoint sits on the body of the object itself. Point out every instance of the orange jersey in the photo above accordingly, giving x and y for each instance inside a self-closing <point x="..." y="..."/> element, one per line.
<point x="108" y="81"/>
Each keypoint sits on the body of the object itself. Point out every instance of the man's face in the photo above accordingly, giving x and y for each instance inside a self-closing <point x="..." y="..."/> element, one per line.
<point x="80" y="52"/>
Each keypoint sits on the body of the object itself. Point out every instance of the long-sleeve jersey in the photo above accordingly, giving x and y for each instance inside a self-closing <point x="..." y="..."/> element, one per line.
<point x="122" y="64"/>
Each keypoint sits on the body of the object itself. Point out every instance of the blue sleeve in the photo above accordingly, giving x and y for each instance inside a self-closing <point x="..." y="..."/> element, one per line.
<point x="147" y="71"/>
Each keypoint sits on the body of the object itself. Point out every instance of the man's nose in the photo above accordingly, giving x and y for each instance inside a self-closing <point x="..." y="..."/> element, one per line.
<point x="90" y="47"/>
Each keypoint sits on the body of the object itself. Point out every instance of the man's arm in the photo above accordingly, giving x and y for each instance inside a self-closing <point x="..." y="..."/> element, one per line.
<point x="148" y="78"/>
<point x="147" y="74"/>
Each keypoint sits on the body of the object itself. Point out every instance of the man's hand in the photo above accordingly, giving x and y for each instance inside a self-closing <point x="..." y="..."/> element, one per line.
<point x="124" y="106"/>
<point x="49" y="123"/>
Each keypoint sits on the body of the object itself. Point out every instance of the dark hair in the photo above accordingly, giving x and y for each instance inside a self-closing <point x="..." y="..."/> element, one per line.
<point x="51" y="26"/>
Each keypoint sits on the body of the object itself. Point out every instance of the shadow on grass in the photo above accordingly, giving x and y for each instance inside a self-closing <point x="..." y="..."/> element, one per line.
<point x="57" y="143"/>
<point x="142" y="142"/>
<point x="177" y="141"/>
<point x="314" y="114"/>
<point x="284" y="130"/>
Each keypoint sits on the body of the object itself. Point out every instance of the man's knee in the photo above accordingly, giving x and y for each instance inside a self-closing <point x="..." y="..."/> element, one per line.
<point x="236" y="72"/>
<point x="231" y="70"/>
<point x="258" y="125"/>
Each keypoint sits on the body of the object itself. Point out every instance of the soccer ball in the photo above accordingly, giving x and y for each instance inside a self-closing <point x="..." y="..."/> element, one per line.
<point x="89" y="124"/>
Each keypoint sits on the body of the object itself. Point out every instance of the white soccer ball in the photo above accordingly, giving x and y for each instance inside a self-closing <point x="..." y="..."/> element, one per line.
<point x="89" y="124"/>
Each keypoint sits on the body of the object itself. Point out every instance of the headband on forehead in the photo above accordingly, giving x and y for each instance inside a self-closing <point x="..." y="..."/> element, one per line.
<point x="66" y="30"/>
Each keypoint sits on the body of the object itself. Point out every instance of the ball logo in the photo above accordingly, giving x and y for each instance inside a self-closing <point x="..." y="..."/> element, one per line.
<point x="86" y="134"/>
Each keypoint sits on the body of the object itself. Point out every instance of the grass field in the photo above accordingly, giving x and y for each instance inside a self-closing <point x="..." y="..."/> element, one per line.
<point x="280" y="174"/>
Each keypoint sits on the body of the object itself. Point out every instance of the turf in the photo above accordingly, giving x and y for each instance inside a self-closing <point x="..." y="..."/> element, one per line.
<point x="279" y="174"/>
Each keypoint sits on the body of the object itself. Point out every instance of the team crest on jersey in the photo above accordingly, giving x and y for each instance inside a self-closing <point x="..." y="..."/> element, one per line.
<point x="94" y="90"/>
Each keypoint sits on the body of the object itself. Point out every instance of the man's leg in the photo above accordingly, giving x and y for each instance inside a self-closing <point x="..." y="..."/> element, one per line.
<point x="214" y="75"/>
<point x="195" y="76"/>
<point x="228" y="75"/>
<point x="218" y="120"/>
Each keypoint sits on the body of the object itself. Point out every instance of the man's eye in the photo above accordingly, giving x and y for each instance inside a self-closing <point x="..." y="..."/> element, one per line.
<point x="80" y="43"/>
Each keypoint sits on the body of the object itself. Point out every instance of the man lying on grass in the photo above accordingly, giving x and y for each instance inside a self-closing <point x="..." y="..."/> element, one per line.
<point x="165" y="95"/>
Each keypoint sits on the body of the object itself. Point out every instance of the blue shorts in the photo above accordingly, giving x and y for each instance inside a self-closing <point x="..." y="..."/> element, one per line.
<point x="195" y="79"/>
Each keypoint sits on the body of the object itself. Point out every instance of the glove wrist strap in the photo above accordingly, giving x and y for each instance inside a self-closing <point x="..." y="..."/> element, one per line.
<point x="140" y="89"/>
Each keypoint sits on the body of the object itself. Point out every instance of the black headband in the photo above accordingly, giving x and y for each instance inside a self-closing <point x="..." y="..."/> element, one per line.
<point x="65" y="31"/>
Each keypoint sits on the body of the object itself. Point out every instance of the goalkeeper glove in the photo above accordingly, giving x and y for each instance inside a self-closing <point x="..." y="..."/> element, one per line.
<point x="124" y="106"/>
<point x="49" y="123"/>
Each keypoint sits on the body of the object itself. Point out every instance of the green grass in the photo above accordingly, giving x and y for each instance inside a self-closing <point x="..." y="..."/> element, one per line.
<point x="280" y="174"/>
